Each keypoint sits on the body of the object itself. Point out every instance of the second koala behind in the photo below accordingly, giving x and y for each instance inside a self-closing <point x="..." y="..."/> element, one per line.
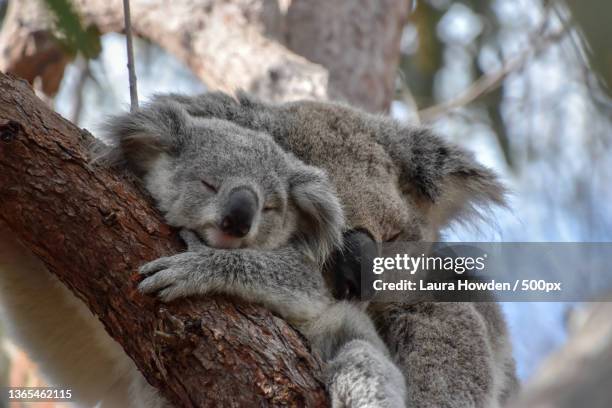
<point x="259" y="223"/>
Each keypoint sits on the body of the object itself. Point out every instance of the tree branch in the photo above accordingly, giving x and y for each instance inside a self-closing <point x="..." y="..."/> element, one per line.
<point x="194" y="351"/>
<point x="225" y="43"/>
<point x="235" y="44"/>
<point x="491" y="81"/>
<point x="130" y="56"/>
<point x="580" y="369"/>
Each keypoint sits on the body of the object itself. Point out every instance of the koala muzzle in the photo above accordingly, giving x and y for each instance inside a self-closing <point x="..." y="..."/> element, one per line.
<point x="239" y="212"/>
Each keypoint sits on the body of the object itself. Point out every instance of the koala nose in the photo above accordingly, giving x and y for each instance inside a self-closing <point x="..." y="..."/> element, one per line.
<point x="347" y="279"/>
<point x="239" y="212"/>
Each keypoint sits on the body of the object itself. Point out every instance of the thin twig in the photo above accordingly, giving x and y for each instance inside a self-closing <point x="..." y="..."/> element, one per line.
<point x="489" y="82"/>
<point x="130" y="56"/>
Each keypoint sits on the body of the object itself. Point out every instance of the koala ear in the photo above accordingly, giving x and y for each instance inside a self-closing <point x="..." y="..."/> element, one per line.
<point x="138" y="139"/>
<point x="321" y="219"/>
<point x="443" y="179"/>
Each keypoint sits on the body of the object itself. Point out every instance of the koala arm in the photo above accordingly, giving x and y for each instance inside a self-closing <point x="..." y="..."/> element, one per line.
<point x="454" y="354"/>
<point x="281" y="279"/>
<point x="360" y="372"/>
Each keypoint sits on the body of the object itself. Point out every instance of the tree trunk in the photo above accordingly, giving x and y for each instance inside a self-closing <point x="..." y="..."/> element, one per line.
<point x="93" y="229"/>
<point x="358" y="41"/>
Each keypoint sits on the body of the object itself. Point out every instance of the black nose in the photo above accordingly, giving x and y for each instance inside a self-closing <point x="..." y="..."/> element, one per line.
<point x="349" y="277"/>
<point x="237" y="217"/>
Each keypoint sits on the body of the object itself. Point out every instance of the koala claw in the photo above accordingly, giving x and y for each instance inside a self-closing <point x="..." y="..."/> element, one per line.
<point x="154" y="266"/>
<point x="169" y="294"/>
<point x="174" y="276"/>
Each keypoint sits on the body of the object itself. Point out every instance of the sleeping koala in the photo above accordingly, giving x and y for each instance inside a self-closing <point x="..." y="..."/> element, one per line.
<point x="259" y="225"/>
<point x="396" y="183"/>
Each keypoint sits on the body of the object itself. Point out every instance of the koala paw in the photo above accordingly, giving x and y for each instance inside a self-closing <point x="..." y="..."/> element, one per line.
<point x="177" y="276"/>
<point x="361" y="376"/>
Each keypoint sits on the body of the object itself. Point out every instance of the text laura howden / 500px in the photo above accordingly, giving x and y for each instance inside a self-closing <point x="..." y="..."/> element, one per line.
<point x="423" y="285"/>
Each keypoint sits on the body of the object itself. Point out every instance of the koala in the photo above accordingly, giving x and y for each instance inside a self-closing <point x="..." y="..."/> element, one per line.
<point x="259" y="224"/>
<point x="396" y="183"/>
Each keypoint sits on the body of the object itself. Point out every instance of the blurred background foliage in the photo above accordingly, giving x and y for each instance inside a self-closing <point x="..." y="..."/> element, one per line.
<point x="524" y="84"/>
<point x="71" y="33"/>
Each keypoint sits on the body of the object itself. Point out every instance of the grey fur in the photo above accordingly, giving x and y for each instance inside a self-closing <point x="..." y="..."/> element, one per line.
<point x="452" y="355"/>
<point x="173" y="153"/>
<point x="278" y="264"/>
<point x="405" y="182"/>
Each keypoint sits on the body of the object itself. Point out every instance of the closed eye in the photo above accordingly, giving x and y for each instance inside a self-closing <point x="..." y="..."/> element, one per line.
<point x="271" y="207"/>
<point x="393" y="237"/>
<point x="272" y="203"/>
<point x="209" y="186"/>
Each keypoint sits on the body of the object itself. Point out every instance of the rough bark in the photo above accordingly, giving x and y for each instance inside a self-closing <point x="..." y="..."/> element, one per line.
<point x="194" y="351"/>
<point x="356" y="40"/>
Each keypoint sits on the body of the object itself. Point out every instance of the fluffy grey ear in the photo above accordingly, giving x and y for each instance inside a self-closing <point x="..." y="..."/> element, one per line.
<point x="443" y="179"/>
<point x="207" y="105"/>
<point x="321" y="219"/>
<point x="137" y="139"/>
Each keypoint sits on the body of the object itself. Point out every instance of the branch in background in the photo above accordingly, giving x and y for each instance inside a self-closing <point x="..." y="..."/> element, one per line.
<point x="580" y="370"/>
<point x="192" y="350"/>
<point x="230" y="45"/>
<point x="594" y="25"/>
<point x="130" y="56"/>
<point x="225" y="43"/>
<point x="491" y="81"/>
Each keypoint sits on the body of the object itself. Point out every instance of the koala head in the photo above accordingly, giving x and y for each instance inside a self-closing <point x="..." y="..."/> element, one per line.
<point x="395" y="182"/>
<point x="236" y="188"/>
